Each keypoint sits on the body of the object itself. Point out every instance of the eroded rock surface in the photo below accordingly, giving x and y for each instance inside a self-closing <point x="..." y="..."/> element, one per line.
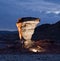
<point x="26" y="27"/>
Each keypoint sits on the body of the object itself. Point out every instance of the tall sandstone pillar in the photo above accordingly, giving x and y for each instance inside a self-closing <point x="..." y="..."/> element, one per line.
<point x="26" y="28"/>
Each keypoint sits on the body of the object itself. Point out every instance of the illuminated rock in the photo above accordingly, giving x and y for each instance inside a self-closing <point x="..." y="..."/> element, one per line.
<point x="26" y="28"/>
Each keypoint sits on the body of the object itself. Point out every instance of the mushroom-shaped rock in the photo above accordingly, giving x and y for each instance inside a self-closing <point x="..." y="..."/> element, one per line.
<point x="26" y="28"/>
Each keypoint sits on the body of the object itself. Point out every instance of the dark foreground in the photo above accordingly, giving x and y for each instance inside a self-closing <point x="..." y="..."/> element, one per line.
<point x="49" y="48"/>
<point x="30" y="57"/>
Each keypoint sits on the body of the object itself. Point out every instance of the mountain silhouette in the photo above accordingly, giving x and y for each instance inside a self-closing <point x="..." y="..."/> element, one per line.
<point x="47" y="32"/>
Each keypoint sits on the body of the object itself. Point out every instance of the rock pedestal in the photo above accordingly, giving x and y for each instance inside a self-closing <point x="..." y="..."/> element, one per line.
<point x="26" y="28"/>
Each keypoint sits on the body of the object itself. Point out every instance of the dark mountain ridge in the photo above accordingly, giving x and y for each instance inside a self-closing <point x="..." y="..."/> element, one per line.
<point x="47" y="31"/>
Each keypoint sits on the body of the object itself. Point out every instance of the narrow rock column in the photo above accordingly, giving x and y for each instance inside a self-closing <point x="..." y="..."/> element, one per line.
<point x="26" y="27"/>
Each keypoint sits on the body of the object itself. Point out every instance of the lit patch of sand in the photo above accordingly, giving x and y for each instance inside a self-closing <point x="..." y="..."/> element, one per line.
<point x="37" y="49"/>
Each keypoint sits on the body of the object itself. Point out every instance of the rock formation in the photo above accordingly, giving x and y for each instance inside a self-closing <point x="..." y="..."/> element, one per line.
<point x="26" y="28"/>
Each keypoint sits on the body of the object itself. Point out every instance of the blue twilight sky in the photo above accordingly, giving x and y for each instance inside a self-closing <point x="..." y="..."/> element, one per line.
<point x="10" y="10"/>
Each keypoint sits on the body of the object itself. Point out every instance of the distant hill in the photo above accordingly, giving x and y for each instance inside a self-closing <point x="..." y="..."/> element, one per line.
<point x="47" y="32"/>
<point x="9" y="36"/>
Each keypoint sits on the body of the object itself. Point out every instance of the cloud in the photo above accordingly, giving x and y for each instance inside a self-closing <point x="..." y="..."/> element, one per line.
<point x="39" y="5"/>
<point x="54" y="1"/>
<point x="31" y="5"/>
<point x="54" y="12"/>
